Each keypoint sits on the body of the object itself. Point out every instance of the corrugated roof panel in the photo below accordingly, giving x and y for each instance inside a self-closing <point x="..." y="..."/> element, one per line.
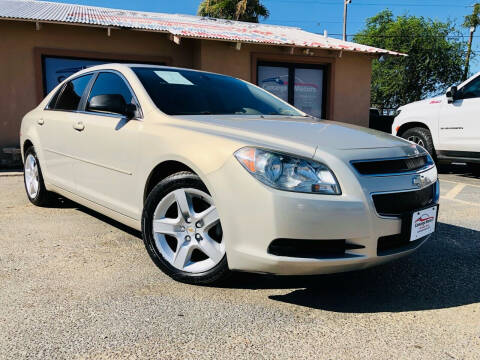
<point x="181" y="25"/>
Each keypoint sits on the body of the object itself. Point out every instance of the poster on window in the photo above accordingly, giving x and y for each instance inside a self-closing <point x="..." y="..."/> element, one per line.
<point x="57" y="69"/>
<point x="308" y="91"/>
<point x="275" y="80"/>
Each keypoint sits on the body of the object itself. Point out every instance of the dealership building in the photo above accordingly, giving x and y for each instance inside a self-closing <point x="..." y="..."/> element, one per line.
<point x="42" y="43"/>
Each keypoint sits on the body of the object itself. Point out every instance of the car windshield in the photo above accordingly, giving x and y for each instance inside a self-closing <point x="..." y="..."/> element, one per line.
<point x="184" y="92"/>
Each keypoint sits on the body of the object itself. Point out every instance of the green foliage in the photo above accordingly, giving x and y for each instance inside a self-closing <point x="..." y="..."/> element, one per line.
<point x="473" y="20"/>
<point x="242" y="10"/>
<point x="435" y="58"/>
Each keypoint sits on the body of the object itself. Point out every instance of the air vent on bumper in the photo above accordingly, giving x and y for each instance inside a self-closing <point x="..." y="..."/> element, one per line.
<point x="314" y="249"/>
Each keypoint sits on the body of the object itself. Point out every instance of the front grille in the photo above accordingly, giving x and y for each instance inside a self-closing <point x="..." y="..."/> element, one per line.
<point x="310" y="248"/>
<point x="396" y="204"/>
<point x="393" y="166"/>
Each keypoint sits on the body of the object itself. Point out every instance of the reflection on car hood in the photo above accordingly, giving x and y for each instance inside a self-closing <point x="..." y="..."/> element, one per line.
<point x="299" y="130"/>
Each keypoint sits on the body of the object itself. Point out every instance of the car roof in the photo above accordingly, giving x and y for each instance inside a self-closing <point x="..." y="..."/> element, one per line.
<point x="124" y="66"/>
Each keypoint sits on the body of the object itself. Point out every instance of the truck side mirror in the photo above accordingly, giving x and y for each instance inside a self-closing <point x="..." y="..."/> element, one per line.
<point x="451" y="94"/>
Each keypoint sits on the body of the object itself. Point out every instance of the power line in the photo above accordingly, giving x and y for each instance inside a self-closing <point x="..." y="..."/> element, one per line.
<point x="405" y="36"/>
<point x="371" y="4"/>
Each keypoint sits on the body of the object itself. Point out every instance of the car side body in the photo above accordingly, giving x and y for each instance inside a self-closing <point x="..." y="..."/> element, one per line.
<point x="111" y="164"/>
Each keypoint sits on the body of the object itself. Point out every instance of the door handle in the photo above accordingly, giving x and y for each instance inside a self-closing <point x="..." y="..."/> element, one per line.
<point x="40" y="121"/>
<point x="79" y="125"/>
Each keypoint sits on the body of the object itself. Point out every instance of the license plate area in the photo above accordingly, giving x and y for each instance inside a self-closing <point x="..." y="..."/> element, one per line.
<point x="421" y="223"/>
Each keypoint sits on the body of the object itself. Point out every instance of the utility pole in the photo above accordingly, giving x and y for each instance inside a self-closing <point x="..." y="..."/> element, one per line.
<point x="345" y="5"/>
<point x="469" y="51"/>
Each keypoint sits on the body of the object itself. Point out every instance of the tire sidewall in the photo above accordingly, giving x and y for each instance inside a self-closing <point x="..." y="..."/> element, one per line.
<point x="174" y="182"/>
<point x="40" y="198"/>
<point x="423" y="134"/>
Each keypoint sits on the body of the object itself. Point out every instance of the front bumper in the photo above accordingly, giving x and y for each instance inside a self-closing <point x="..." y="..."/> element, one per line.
<point x="253" y="215"/>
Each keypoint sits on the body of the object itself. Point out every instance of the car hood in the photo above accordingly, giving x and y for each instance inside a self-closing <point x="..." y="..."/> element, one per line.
<point x="298" y="131"/>
<point x="431" y="101"/>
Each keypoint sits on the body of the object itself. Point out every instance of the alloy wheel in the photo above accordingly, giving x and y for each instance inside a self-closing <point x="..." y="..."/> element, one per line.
<point x="187" y="231"/>
<point x="417" y="140"/>
<point x="32" y="182"/>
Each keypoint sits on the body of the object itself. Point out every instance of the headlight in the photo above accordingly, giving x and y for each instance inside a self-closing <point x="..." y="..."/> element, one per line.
<point x="285" y="172"/>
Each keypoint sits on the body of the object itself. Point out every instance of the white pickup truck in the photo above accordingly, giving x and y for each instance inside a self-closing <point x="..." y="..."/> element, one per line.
<point x="448" y="126"/>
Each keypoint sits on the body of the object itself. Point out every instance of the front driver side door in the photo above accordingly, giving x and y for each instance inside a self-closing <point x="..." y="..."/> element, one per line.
<point x="107" y="149"/>
<point x="459" y="123"/>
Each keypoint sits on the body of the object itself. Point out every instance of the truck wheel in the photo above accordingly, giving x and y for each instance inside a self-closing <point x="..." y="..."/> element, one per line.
<point x="422" y="137"/>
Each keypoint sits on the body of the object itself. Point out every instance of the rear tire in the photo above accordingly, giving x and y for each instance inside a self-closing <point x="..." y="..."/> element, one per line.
<point x="422" y="137"/>
<point x="33" y="179"/>
<point x="182" y="231"/>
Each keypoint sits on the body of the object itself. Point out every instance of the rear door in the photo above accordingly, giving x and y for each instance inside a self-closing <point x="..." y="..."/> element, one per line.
<point x="459" y="123"/>
<point x="106" y="148"/>
<point x="56" y="132"/>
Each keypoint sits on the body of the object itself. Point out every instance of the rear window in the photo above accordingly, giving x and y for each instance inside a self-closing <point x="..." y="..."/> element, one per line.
<point x="69" y="98"/>
<point x="184" y="92"/>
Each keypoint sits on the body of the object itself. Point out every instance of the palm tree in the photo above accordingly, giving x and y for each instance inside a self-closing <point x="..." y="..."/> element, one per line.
<point x="242" y="10"/>
<point x="471" y="22"/>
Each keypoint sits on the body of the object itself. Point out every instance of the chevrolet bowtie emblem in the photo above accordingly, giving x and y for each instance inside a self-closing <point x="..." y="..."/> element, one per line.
<point x="419" y="181"/>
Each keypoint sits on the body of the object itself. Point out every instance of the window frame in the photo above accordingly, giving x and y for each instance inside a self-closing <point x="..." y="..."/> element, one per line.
<point x="62" y="87"/>
<point x="88" y="89"/>
<point x="462" y="89"/>
<point x="81" y="108"/>
<point x="291" y="79"/>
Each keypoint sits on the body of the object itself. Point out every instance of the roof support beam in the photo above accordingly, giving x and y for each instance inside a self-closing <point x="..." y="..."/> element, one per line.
<point x="109" y="32"/>
<point x="238" y="46"/>
<point x="175" y="38"/>
<point x="38" y="26"/>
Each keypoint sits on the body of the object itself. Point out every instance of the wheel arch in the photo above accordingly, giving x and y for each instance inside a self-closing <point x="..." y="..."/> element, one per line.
<point x="410" y="125"/>
<point x="26" y="144"/>
<point x="161" y="171"/>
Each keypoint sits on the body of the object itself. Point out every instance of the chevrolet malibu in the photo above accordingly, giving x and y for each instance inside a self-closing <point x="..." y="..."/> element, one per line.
<point x="220" y="175"/>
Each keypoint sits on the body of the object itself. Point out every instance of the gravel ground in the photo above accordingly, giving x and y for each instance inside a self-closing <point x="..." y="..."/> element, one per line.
<point x="76" y="285"/>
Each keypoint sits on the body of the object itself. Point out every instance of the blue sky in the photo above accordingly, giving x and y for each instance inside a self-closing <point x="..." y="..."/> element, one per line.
<point x="317" y="15"/>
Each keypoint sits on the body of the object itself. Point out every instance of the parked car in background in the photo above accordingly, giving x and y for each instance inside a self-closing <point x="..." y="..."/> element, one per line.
<point x="380" y="120"/>
<point x="448" y="126"/>
<point x="221" y="175"/>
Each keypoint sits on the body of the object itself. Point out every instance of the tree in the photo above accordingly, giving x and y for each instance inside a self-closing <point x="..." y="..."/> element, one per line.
<point x="471" y="22"/>
<point x="435" y="58"/>
<point x="242" y="10"/>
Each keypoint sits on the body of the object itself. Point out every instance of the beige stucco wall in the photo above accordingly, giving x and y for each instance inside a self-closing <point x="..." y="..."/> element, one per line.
<point x="349" y="80"/>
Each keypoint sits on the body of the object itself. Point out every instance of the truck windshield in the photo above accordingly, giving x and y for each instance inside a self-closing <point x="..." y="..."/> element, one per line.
<point x="184" y="92"/>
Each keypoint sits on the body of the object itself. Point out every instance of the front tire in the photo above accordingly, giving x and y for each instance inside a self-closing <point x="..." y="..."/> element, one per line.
<point x="182" y="231"/>
<point x="33" y="179"/>
<point x="422" y="137"/>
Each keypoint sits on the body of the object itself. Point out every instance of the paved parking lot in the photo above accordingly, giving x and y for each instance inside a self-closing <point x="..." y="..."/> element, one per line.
<point x="74" y="284"/>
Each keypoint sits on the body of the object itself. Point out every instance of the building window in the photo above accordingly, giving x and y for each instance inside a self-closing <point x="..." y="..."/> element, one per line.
<point x="307" y="93"/>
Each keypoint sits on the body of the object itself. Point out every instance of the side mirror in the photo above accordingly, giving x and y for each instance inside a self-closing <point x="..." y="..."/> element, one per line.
<point x="451" y="94"/>
<point x="112" y="103"/>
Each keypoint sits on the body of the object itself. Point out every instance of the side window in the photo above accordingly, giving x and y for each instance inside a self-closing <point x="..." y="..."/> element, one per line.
<point x="471" y="90"/>
<point x="72" y="93"/>
<point x="117" y="92"/>
<point x="53" y="100"/>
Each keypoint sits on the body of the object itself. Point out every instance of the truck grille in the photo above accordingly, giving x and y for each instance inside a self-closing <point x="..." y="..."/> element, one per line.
<point x="396" y="204"/>
<point x="392" y="166"/>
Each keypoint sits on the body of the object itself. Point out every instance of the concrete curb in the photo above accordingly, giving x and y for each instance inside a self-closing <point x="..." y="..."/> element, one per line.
<point x="11" y="173"/>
